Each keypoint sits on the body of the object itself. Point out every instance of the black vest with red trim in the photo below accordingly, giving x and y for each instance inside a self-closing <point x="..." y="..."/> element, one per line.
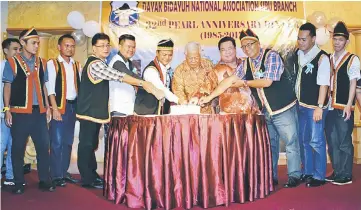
<point x="341" y="82"/>
<point x="308" y="89"/>
<point x="21" y="99"/>
<point x="146" y="103"/>
<point x="279" y="96"/>
<point x="61" y="83"/>
<point x="93" y="96"/>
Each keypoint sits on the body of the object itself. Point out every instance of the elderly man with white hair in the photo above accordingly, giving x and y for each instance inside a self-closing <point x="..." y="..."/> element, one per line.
<point x="194" y="78"/>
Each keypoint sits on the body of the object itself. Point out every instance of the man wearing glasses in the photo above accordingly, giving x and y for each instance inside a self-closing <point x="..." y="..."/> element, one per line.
<point x="263" y="73"/>
<point x="64" y="80"/>
<point x="92" y="106"/>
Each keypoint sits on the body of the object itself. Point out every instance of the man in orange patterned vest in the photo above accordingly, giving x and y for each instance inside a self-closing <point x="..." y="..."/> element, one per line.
<point x="27" y="109"/>
<point x="64" y="79"/>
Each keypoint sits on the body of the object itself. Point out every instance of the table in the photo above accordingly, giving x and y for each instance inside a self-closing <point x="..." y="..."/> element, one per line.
<point x="175" y="161"/>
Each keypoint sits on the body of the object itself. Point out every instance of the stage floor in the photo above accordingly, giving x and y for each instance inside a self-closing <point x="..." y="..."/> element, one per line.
<point x="74" y="197"/>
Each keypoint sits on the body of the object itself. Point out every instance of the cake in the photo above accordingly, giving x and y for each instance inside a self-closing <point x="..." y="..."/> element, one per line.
<point x="185" y="109"/>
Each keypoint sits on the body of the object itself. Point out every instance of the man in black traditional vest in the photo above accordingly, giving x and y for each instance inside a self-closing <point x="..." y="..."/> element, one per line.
<point x="159" y="73"/>
<point x="92" y="105"/>
<point x="313" y="79"/>
<point x="64" y="79"/>
<point x="263" y="73"/>
<point x="27" y="109"/>
<point x="340" y="119"/>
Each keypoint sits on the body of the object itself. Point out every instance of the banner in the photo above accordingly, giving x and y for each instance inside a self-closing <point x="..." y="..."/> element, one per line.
<point x="276" y="23"/>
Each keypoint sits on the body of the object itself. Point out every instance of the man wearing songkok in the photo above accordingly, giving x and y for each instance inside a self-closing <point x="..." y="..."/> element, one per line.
<point x="158" y="72"/>
<point x="27" y="109"/>
<point x="263" y="73"/>
<point x="233" y="100"/>
<point x="313" y="79"/>
<point x="92" y="106"/>
<point x="345" y="68"/>
<point x="10" y="47"/>
<point x="64" y="80"/>
<point x="190" y="77"/>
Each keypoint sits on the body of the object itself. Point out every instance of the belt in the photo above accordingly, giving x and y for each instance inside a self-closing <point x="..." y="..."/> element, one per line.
<point x="35" y="106"/>
<point x="71" y="101"/>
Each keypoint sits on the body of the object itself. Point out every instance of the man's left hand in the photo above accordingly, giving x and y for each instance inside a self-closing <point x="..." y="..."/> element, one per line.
<point x="347" y="112"/>
<point x="317" y="114"/>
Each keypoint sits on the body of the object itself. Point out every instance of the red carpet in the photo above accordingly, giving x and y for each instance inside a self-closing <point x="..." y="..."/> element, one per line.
<point x="74" y="197"/>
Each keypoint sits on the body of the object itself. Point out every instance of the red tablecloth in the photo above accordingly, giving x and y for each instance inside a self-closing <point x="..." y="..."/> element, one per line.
<point x="187" y="160"/>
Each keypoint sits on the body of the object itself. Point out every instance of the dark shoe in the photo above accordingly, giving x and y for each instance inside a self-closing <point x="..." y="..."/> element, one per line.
<point x="93" y="185"/>
<point x="315" y="183"/>
<point x="27" y="168"/>
<point x="45" y="186"/>
<point x="99" y="180"/>
<point x="292" y="182"/>
<point x="342" y="181"/>
<point x="306" y="178"/>
<point x="59" y="182"/>
<point x="70" y="179"/>
<point x="331" y="177"/>
<point x="19" y="189"/>
<point x="275" y="182"/>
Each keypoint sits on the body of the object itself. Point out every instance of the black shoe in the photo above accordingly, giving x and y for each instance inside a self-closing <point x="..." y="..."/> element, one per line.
<point x="99" y="180"/>
<point x="342" y="181"/>
<point x="275" y="182"/>
<point x="27" y="168"/>
<point x="306" y="178"/>
<point x="292" y="182"/>
<point x="315" y="183"/>
<point x="331" y="177"/>
<point x="59" y="182"/>
<point x="19" y="189"/>
<point x="45" y="186"/>
<point x="93" y="185"/>
<point x="70" y="179"/>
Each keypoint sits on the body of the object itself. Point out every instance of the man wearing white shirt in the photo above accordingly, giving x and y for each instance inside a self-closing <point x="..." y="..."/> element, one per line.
<point x="159" y="73"/>
<point x="340" y="119"/>
<point x="64" y="80"/>
<point x="313" y="79"/>
<point x="10" y="47"/>
<point x="122" y="95"/>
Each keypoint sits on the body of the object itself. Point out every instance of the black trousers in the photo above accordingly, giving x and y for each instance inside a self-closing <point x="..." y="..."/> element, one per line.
<point x="34" y="125"/>
<point x="88" y="143"/>
<point x="339" y="140"/>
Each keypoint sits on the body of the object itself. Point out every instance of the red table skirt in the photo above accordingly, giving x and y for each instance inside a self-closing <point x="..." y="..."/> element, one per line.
<point x="187" y="160"/>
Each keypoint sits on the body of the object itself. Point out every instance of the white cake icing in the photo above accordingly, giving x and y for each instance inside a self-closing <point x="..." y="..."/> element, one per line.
<point x="185" y="109"/>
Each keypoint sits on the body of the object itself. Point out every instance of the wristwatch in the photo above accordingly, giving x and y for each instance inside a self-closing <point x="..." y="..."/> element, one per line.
<point x="320" y="106"/>
<point x="141" y="83"/>
<point x="5" y="109"/>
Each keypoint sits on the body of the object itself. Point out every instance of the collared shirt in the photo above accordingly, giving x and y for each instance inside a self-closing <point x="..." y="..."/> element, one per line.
<point x="274" y="66"/>
<point x="100" y="70"/>
<point x="324" y="68"/>
<point x="353" y="72"/>
<point x="71" y="93"/>
<point x="187" y="81"/>
<point x="121" y="95"/>
<point x="152" y="75"/>
<point x="8" y="75"/>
